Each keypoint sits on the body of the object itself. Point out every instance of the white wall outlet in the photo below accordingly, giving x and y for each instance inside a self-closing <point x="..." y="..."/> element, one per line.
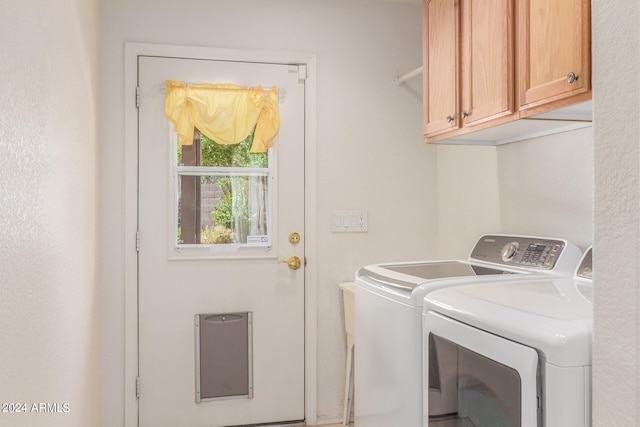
<point x="349" y="221"/>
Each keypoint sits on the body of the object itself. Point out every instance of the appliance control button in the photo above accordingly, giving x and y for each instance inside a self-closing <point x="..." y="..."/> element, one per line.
<point x="509" y="251"/>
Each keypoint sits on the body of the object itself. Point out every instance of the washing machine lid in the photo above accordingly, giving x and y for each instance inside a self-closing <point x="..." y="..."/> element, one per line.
<point x="407" y="276"/>
<point x="493" y="254"/>
<point x="554" y="316"/>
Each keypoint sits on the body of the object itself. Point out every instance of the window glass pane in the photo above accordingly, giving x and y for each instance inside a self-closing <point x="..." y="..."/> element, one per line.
<point x="205" y="152"/>
<point x="222" y="194"/>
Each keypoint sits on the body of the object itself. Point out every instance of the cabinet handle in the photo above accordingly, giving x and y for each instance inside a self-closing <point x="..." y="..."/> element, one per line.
<point x="450" y="118"/>
<point x="572" y="77"/>
<point x="464" y="115"/>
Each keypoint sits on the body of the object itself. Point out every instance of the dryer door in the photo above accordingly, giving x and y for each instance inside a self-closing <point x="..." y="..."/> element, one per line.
<point x="478" y="377"/>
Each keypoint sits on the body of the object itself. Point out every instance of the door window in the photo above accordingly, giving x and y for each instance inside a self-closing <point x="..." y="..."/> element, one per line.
<point x="223" y="195"/>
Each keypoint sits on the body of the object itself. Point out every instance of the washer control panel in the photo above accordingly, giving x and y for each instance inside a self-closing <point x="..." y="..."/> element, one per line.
<point x="526" y="252"/>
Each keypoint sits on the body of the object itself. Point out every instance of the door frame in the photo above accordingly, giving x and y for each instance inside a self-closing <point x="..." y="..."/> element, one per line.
<point x="131" y="350"/>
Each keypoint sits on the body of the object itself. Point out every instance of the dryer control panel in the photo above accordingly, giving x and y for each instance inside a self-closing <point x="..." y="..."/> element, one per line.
<point x="518" y="251"/>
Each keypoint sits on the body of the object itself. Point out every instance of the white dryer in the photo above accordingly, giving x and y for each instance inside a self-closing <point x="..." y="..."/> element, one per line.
<point x="520" y="352"/>
<point x="388" y="318"/>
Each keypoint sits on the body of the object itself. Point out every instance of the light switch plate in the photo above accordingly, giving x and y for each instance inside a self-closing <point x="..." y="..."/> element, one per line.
<point x="349" y="222"/>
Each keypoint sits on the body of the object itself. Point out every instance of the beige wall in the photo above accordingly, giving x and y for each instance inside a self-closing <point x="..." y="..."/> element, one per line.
<point x="546" y="186"/>
<point x="539" y="187"/>
<point x="48" y="185"/>
<point x="616" y="373"/>
<point x="468" y="198"/>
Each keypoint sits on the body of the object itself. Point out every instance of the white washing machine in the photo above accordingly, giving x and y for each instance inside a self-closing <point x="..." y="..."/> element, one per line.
<point x="388" y="318"/>
<point x="519" y="351"/>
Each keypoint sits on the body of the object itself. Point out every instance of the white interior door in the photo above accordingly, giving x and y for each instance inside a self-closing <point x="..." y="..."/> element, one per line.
<point x="179" y="281"/>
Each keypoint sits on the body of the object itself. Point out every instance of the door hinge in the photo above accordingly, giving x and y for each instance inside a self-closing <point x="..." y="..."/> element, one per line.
<point x="137" y="96"/>
<point x="138" y="387"/>
<point x="302" y="72"/>
<point x="138" y="241"/>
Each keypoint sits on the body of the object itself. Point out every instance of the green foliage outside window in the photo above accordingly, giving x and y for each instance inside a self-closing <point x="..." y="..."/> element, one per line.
<point x="231" y="213"/>
<point x="221" y="155"/>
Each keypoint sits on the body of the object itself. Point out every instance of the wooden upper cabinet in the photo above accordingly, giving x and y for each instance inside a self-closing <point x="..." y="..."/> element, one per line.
<point x="488" y="60"/>
<point x="468" y="65"/>
<point x="491" y="62"/>
<point x="441" y="69"/>
<point x="554" y="41"/>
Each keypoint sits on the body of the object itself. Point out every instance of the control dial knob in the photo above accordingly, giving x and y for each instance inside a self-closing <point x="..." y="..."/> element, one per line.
<point x="509" y="251"/>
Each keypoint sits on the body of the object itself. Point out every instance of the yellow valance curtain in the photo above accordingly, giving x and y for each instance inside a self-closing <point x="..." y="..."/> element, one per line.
<point x="224" y="113"/>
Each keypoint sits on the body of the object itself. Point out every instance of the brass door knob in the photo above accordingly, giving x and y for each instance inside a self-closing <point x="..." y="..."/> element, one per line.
<point x="293" y="262"/>
<point x="294" y="238"/>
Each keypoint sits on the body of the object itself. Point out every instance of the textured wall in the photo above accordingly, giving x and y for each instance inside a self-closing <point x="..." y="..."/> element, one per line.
<point x="616" y="377"/>
<point x="48" y="139"/>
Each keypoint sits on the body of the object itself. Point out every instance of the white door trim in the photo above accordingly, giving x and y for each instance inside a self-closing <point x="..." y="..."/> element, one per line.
<point x="132" y="51"/>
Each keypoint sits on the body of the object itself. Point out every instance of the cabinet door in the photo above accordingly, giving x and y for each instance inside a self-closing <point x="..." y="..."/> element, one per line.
<point x="488" y="60"/>
<point x="441" y="66"/>
<point x="554" y="40"/>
